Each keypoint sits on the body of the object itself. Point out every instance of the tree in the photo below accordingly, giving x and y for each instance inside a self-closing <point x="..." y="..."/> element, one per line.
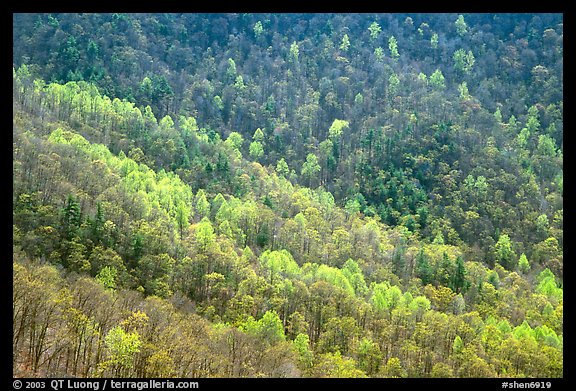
<point x="546" y="250"/>
<point x="523" y="138"/>
<point x="375" y="30"/>
<point x="166" y="123"/>
<point x="419" y="306"/>
<point x="310" y="168"/>
<point x="218" y="102"/>
<point x="461" y="26"/>
<point x="547" y="284"/>
<point x="396" y="167"/>
<point x="282" y="168"/>
<point x="440" y="297"/>
<point x="445" y="270"/>
<point x="437" y="79"/>
<point x="463" y="61"/>
<point x="205" y="235"/>
<point x="202" y="204"/>
<point x="481" y="186"/>
<point x="393" y="46"/>
<point x="336" y="129"/>
<point x="235" y="140"/>
<point x="523" y="264"/>
<point x="258" y="29"/>
<point x="122" y="348"/>
<point x="379" y="54"/>
<point x="71" y="217"/>
<point x="345" y="45"/>
<point x="231" y="72"/>
<point x="532" y="122"/>
<point x="498" y="116"/>
<point x="74" y="255"/>
<point x="268" y="329"/>
<point x="338" y="335"/>
<point x="463" y="89"/>
<point x="505" y="254"/>
<point x="153" y="272"/>
<point x="351" y="270"/>
<point x="97" y="224"/>
<point x="393" y="83"/>
<point x="107" y="277"/>
<point x="423" y="78"/>
<point x="294" y="52"/>
<point x="423" y="269"/>
<point x="256" y="150"/>
<point x="302" y="346"/>
<point x="393" y="368"/>
<point x="457" y="345"/>
<point x="459" y="282"/>
<point x="335" y="365"/>
<point x="39" y="301"/>
<point x="441" y="370"/>
<point x="102" y="257"/>
<point x="258" y="135"/>
<point x="542" y="225"/>
<point x="369" y="356"/>
<point x="475" y="366"/>
<point x="279" y="263"/>
<point x="434" y="41"/>
<point x="182" y="218"/>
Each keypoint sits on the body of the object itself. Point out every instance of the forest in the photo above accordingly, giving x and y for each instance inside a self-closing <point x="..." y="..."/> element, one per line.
<point x="287" y="195"/>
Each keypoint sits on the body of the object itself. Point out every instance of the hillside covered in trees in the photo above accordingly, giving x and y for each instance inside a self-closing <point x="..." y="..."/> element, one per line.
<point x="288" y="195"/>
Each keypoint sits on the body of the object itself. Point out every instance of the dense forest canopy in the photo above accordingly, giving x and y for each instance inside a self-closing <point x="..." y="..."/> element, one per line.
<point x="288" y="195"/>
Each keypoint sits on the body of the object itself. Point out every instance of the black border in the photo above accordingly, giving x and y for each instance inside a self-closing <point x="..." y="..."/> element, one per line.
<point x="297" y="6"/>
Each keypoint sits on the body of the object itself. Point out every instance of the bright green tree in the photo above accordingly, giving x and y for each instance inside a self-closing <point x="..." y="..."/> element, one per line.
<point x="282" y="168"/>
<point x="256" y="150"/>
<point x="457" y="345"/>
<point x="231" y="72"/>
<point x="107" y="277"/>
<point x="393" y="84"/>
<point x="434" y="41"/>
<point x="310" y="168"/>
<point x="258" y="29"/>
<point x="302" y="346"/>
<point x="337" y="128"/>
<point x="523" y="264"/>
<point x="461" y="26"/>
<point x="463" y="61"/>
<point x="336" y="365"/>
<point x="505" y="254"/>
<point x="369" y="356"/>
<point x="437" y="79"/>
<point x="498" y="115"/>
<point x="268" y="329"/>
<point x="258" y="135"/>
<point x="294" y="52"/>
<point x="205" y="235"/>
<point x="345" y="45"/>
<point x="235" y="140"/>
<point x="122" y="348"/>
<point x="202" y="204"/>
<point x="463" y="89"/>
<point x="375" y="30"/>
<point x="393" y="46"/>
<point x="379" y="53"/>
<point x="182" y="218"/>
